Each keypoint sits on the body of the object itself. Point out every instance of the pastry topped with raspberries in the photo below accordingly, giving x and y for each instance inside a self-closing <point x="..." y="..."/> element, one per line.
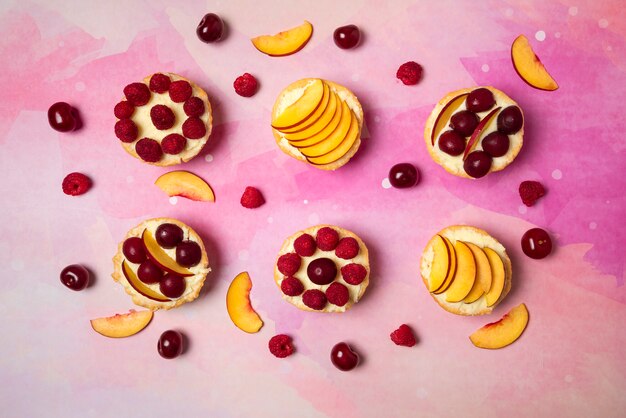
<point x="473" y="132"/>
<point x="323" y="268"/>
<point x="164" y="120"/>
<point x="161" y="263"/>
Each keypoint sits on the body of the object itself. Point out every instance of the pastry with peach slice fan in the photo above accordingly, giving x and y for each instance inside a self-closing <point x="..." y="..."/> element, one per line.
<point x="503" y="332"/>
<point x="286" y="42"/>
<point x="185" y="184"/>
<point x="239" y="307"/>
<point x="122" y="325"/>
<point x="529" y="67"/>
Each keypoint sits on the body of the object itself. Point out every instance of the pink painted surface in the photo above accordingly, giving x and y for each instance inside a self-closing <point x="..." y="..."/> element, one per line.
<point x="570" y="361"/>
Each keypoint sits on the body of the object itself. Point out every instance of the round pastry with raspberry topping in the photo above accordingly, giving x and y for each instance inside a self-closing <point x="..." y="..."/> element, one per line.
<point x="161" y="263"/>
<point x="473" y="132"/>
<point x="323" y="268"/>
<point x="164" y="120"/>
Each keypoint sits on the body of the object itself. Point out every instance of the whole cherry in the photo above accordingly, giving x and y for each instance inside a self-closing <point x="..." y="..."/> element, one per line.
<point x="62" y="117"/>
<point x="343" y="357"/>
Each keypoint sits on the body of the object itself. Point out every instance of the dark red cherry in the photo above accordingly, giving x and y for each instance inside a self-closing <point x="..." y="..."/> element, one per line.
<point x="170" y="344"/>
<point x="452" y="143"/>
<point x="477" y="164"/>
<point x="172" y="286"/>
<point x="168" y="235"/>
<point x="480" y="100"/>
<point x="62" y="117"/>
<point x="403" y="175"/>
<point x="188" y="253"/>
<point x="510" y="120"/>
<point x="210" y="29"/>
<point x="536" y="243"/>
<point x="343" y="357"/>
<point x="496" y="144"/>
<point x="347" y="37"/>
<point x="464" y="122"/>
<point x="75" y="276"/>
<point x="134" y="250"/>
<point x="322" y="271"/>
<point x="149" y="273"/>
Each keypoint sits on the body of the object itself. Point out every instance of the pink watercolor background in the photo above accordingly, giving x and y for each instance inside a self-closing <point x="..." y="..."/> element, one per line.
<point x="571" y="360"/>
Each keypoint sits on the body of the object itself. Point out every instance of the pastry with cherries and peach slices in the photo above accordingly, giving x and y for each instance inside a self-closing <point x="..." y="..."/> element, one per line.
<point x="323" y="268"/>
<point x="473" y="132"/>
<point x="163" y="120"/>
<point x="162" y="263"/>
<point x="319" y="122"/>
<point x="466" y="270"/>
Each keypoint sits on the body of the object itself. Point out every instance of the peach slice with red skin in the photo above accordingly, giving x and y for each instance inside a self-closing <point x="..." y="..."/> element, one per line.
<point x="451" y="270"/>
<point x="139" y="286"/>
<point x="465" y="275"/>
<point x="503" y="332"/>
<point x="529" y="67"/>
<point x="160" y="257"/>
<point x="341" y="149"/>
<point x="498" y="276"/>
<point x="302" y="109"/>
<point x="286" y="42"/>
<point x="314" y="117"/>
<point x="445" y="114"/>
<point x="239" y="307"/>
<point x="122" y="325"/>
<point x="185" y="184"/>
<point x="482" y="284"/>
<point x="482" y="125"/>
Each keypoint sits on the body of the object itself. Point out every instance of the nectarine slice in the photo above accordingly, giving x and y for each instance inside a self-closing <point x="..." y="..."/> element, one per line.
<point x="498" y="274"/>
<point x="342" y="149"/>
<point x="302" y="108"/>
<point x="342" y="107"/>
<point x="529" y="67"/>
<point x="465" y="273"/>
<point x="440" y="264"/>
<point x="482" y="284"/>
<point x="160" y="257"/>
<point x="480" y="128"/>
<point x="122" y="325"/>
<point x="334" y="103"/>
<point x="503" y="332"/>
<point x="286" y="42"/>
<point x="445" y="115"/>
<point x="139" y="286"/>
<point x="185" y="184"/>
<point x="453" y="267"/>
<point x="333" y="140"/>
<point x="314" y="117"/>
<point x="239" y="307"/>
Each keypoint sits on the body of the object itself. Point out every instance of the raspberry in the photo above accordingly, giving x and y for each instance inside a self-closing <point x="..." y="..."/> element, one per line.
<point x="180" y="91"/>
<point x="403" y="336"/>
<point x="126" y="130"/>
<point x="347" y="248"/>
<point x="409" y="73"/>
<point x="353" y="273"/>
<point x="327" y="239"/>
<point x="149" y="150"/>
<point x="281" y="346"/>
<point x="530" y="191"/>
<point x="194" y="106"/>
<point x="75" y="184"/>
<point x="252" y="198"/>
<point x="288" y="264"/>
<point x="137" y="94"/>
<point x="173" y="144"/>
<point x="245" y="85"/>
<point x="194" y="128"/>
<point x="159" y="83"/>
<point x="337" y="294"/>
<point x="305" y="245"/>
<point x="291" y="286"/>
<point x="162" y="117"/>
<point x="314" y="299"/>
<point x="123" y="110"/>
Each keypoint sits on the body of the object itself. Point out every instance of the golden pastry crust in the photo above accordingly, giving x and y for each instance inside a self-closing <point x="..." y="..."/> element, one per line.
<point x="194" y="283"/>
<point x="356" y="292"/>
<point x="482" y="239"/>
<point x="346" y="95"/>
<point x="444" y="160"/>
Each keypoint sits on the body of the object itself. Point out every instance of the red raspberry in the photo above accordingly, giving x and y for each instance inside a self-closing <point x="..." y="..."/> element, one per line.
<point x="246" y="85"/>
<point x="126" y="130"/>
<point x="162" y="117"/>
<point x="347" y="248"/>
<point x="291" y="286"/>
<point x="305" y="245"/>
<point x="123" y="110"/>
<point x="353" y="273"/>
<point x="149" y="150"/>
<point x="137" y="94"/>
<point x="314" y="299"/>
<point x="409" y="73"/>
<point x="194" y="128"/>
<point x="327" y="239"/>
<point x="173" y="144"/>
<point x="530" y="191"/>
<point x="337" y="294"/>
<point x="281" y="346"/>
<point x="288" y="264"/>
<point x="75" y="184"/>
<point x="159" y="83"/>
<point x="403" y="336"/>
<point x="180" y="91"/>
<point x="194" y="106"/>
<point x="252" y="198"/>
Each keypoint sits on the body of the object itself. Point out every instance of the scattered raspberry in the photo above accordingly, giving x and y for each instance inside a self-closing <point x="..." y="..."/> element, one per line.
<point x="75" y="184"/>
<point x="126" y="130"/>
<point x="347" y="248"/>
<point x="194" y="128"/>
<point x="180" y="91"/>
<point x="305" y="245"/>
<point x="288" y="264"/>
<point x="291" y="286"/>
<point x="123" y="110"/>
<point x="409" y="73"/>
<point x="148" y="150"/>
<point x="162" y="117"/>
<point x="327" y="239"/>
<point x="173" y="144"/>
<point x="403" y="336"/>
<point x="252" y="198"/>
<point x="353" y="273"/>
<point x="281" y="346"/>
<point x="314" y="299"/>
<point x="137" y="94"/>
<point x="337" y="294"/>
<point x="246" y="85"/>
<point x="194" y="106"/>
<point x="530" y="191"/>
<point x="159" y="83"/>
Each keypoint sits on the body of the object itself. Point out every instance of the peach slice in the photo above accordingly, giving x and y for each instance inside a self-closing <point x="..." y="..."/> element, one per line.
<point x="286" y="42"/>
<point x="342" y="149"/>
<point x="302" y="108"/>
<point x="445" y="114"/>
<point x="239" y="307"/>
<point x="185" y="184"/>
<point x="342" y="108"/>
<point x="498" y="275"/>
<point x="441" y="264"/>
<point x="160" y="257"/>
<point x="453" y="267"/>
<point x="480" y="128"/>
<point x="482" y="284"/>
<point x="314" y="117"/>
<point x="503" y="332"/>
<point x="465" y="274"/>
<point x="529" y="67"/>
<point x="122" y="325"/>
<point x="333" y="140"/>
<point x="324" y="120"/>
<point x="139" y="286"/>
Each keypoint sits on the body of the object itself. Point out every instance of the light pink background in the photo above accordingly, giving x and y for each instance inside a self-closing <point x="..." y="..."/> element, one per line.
<point x="570" y="361"/>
